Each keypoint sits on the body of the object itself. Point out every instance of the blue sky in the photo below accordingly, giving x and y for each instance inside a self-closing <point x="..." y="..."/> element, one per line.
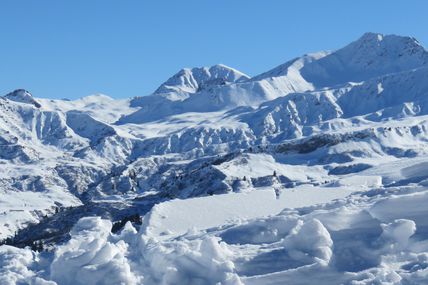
<point x="70" y="49"/>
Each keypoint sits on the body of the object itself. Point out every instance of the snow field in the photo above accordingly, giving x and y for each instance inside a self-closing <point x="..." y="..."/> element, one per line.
<point x="357" y="239"/>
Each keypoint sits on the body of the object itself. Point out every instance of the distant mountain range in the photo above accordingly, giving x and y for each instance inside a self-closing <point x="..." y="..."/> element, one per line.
<point x="319" y="120"/>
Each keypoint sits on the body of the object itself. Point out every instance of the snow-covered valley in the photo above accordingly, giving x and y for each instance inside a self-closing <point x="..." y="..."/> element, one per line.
<point x="315" y="172"/>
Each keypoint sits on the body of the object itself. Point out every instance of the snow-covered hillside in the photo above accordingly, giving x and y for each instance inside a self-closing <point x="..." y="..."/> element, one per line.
<point x="314" y="172"/>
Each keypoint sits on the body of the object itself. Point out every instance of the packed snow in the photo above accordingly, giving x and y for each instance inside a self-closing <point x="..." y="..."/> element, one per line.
<point x="176" y="217"/>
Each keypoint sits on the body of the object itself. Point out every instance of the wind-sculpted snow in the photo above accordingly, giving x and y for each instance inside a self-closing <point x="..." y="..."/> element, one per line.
<point x="91" y="256"/>
<point x="202" y="261"/>
<point x="309" y="242"/>
<point x="16" y="267"/>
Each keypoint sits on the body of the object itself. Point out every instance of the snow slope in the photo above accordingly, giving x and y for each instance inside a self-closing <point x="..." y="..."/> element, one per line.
<point x="176" y="217"/>
<point x="372" y="55"/>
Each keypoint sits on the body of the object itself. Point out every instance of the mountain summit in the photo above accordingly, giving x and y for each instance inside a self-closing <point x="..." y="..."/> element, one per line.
<point x="370" y="56"/>
<point x="191" y="80"/>
<point x="22" y="96"/>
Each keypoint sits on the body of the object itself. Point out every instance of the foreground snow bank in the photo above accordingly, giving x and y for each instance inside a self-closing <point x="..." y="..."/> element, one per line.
<point x="200" y="261"/>
<point x="309" y="242"/>
<point x="92" y="257"/>
<point x="373" y="237"/>
<point x="17" y="265"/>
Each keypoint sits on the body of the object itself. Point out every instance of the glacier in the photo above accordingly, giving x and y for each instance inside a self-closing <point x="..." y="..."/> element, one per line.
<point x="314" y="172"/>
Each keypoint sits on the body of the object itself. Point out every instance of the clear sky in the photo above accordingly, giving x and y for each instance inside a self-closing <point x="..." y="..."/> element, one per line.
<point x="124" y="48"/>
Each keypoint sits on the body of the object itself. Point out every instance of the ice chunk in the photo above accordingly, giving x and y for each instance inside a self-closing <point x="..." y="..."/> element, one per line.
<point x="91" y="258"/>
<point x="398" y="232"/>
<point x="309" y="241"/>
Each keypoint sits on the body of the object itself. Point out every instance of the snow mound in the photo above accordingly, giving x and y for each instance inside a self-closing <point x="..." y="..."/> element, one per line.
<point x="91" y="257"/>
<point x="205" y="261"/>
<point x="308" y="242"/>
<point x="398" y="232"/>
<point x="16" y="267"/>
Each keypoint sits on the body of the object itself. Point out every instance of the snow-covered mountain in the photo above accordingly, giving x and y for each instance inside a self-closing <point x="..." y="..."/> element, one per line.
<point x="188" y="81"/>
<point x="23" y="96"/>
<point x="370" y="56"/>
<point x="308" y="157"/>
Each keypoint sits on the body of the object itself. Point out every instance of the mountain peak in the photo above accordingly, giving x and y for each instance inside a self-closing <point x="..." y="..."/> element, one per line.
<point x="96" y="98"/>
<point x="370" y="36"/>
<point x="22" y="96"/>
<point x="372" y="55"/>
<point x="191" y="80"/>
<point x="387" y="41"/>
<point x="20" y="93"/>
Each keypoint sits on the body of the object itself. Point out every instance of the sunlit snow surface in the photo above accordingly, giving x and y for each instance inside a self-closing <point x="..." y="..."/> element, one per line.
<point x="315" y="172"/>
<point x="329" y="235"/>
